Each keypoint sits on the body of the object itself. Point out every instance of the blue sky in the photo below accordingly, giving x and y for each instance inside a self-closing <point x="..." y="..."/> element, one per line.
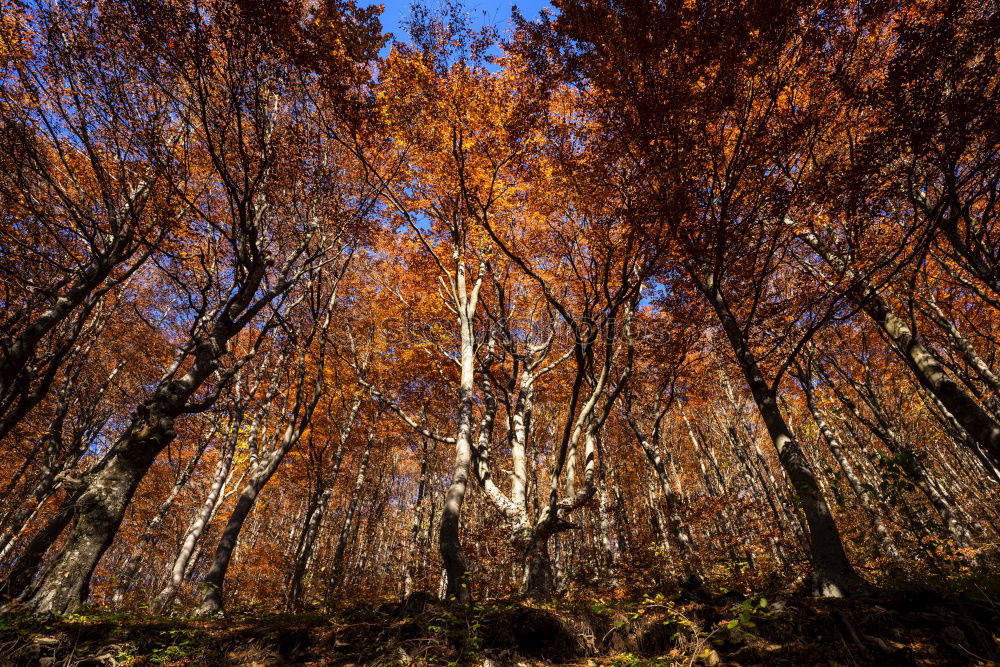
<point x="482" y="12"/>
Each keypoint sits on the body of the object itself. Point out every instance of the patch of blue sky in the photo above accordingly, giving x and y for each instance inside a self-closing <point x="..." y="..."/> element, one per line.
<point x="481" y="13"/>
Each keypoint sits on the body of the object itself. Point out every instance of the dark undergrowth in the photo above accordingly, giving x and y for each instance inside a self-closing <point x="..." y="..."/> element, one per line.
<point x="692" y="628"/>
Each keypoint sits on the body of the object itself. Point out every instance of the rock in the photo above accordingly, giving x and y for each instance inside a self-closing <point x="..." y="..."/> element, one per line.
<point x="712" y="658"/>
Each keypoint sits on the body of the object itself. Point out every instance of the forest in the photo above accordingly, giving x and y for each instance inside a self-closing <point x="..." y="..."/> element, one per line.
<point x="637" y="332"/>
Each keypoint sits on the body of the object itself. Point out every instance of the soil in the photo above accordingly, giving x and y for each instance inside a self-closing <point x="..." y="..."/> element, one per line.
<point x="884" y="629"/>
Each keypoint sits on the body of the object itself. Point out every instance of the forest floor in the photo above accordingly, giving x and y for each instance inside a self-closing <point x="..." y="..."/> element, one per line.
<point x="696" y="628"/>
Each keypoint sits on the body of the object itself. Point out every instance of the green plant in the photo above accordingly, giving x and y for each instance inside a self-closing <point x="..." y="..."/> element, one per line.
<point x="167" y="654"/>
<point x="747" y="611"/>
<point x="461" y="631"/>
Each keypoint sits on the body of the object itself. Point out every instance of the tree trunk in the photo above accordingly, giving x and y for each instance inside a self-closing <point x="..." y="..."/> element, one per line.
<point x="678" y="533"/>
<point x="337" y="564"/>
<point x="211" y="603"/>
<point x="868" y="503"/>
<point x="414" y="568"/>
<point x="979" y="424"/>
<point x="449" y="540"/>
<point x="200" y="522"/>
<point x="833" y="575"/>
<point x="314" y="519"/>
<point x="539" y="582"/>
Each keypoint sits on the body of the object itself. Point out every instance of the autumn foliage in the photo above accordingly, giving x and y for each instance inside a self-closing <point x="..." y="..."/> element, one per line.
<point x="629" y="297"/>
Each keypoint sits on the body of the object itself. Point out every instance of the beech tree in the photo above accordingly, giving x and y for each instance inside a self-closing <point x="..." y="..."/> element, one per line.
<point x="266" y="244"/>
<point x="87" y="142"/>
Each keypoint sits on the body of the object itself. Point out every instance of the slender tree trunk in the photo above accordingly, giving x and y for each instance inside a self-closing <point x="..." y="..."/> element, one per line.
<point x="314" y="519"/>
<point x="414" y="570"/>
<point x="337" y="564"/>
<point x="679" y="534"/>
<point x="868" y="503"/>
<point x="833" y="575"/>
<point x="606" y="550"/>
<point x="211" y="603"/>
<point x="449" y="541"/>
<point x="200" y="522"/>
<point x="973" y="418"/>
<point x="300" y="416"/>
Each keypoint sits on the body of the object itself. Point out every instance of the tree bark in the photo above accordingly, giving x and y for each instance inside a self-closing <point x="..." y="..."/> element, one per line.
<point x="928" y="372"/>
<point x="449" y="540"/>
<point x="337" y="564"/>
<point x="200" y="522"/>
<point x="212" y="598"/>
<point x="833" y="575"/>
<point x="869" y="504"/>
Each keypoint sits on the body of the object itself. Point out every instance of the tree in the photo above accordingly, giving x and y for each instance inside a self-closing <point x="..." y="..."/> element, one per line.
<point x="243" y="128"/>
